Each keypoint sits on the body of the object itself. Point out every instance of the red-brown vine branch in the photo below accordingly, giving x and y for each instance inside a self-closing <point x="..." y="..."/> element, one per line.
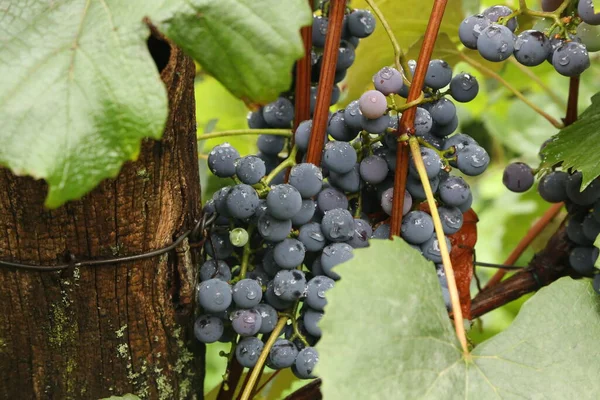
<point x="407" y="121"/>
<point x="330" y="56"/>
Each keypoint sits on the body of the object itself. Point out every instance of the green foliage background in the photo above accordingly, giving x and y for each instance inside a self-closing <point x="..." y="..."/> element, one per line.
<point x="505" y="126"/>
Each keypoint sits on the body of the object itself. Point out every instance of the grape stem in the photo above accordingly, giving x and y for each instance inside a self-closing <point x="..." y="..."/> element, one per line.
<point x="523" y="9"/>
<point x="399" y="56"/>
<point x="242" y="132"/>
<point x="486" y="71"/>
<point x="245" y="258"/>
<point x="288" y="162"/>
<point x="297" y="334"/>
<point x="439" y="232"/>
<point x="263" y="358"/>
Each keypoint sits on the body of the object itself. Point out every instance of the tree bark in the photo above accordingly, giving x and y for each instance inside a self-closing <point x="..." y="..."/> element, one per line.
<point x="94" y="332"/>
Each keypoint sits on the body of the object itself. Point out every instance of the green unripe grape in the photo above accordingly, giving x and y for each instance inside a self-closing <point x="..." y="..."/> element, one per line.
<point x="590" y="36"/>
<point x="238" y="237"/>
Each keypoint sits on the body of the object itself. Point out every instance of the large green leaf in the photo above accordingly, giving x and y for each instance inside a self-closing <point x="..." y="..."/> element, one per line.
<point x="78" y="91"/>
<point x="577" y="145"/>
<point x="408" y="20"/>
<point x="249" y="45"/>
<point x="386" y="335"/>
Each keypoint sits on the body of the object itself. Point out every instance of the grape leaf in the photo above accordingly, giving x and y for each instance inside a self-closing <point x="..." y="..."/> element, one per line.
<point x="79" y="89"/>
<point x="576" y="145"/>
<point x="248" y="45"/>
<point x="387" y="335"/>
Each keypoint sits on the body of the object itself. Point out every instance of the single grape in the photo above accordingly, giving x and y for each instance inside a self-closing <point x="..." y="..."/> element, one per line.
<point x="361" y="23"/>
<point x="330" y="198"/>
<point x="472" y="160"/>
<point x="518" y="177"/>
<point x="431" y="161"/>
<point x="381" y="232"/>
<point x="215" y="269"/>
<point x="337" y="128"/>
<point x="259" y="275"/>
<point x="208" y="329"/>
<point x="575" y="231"/>
<point x="283" y="354"/>
<point x="289" y="253"/>
<point x="306" y="213"/>
<point x="459" y="141"/>
<point x="585" y="9"/>
<point x="466" y="206"/>
<point x="470" y="29"/>
<point x="431" y="249"/>
<point x="250" y="169"/>
<point x="376" y="126"/>
<point x="591" y="227"/>
<point x="582" y="260"/>
<point x="532" y="48"/>
<point x="248" y="350"/>
<point x="362" y="233"/>
<point x="311" y="320"/>
<point x="220" y="199"/>
<point x="221" y="160"/>
<point x="284" y="201"/>
<point x="349" y="182"/>
<point x="416" y="189"/>
<point x="246" y="322"/>
<point x="307" y="178"/>
<point x="315" y="292"/>
<point x="423" y="121"/>
<point x="270" y="144"/>
<point x="585" y="197"/>
<point x="302" y="135"/>
<point x="417" y="227"/>
<point x="373" y="169"/>
<point x="372" y="104"/>
<point x="273" y="229"/>
<point x="335" y="254"/>
<point x="346" y="56"/>
<point x="242" y="201"/>
<point x="316" y="268"/>
<point x="442" y="111"/>
<point x="441" y="131"/>
<point x="571" y="59"/>
<point x="551" y="5"/>
<point x="279" y="114"/>
<point x="495" y="43"/>
<point x="312" y="237"/>
<point x="494" y="13"/>
<point x="214" y="295"/>
<point x="339" y="157"/>
<point x="454" y="191"/>
<point x="268" y="317"/>
<point x="256" y="121"/>
<point x="289" y="285"/>
<point x="452" y="219"/>
<point x="218" y="245"/>
<point x="464" y="87"/>
<point x="338" y="225"/>
<point x="353" y="116"/>
<point x="319" y="30"/>
<point x="275" y="301"/>
<point x="305" y="363"/>
<point x="590" y="36"/>
<point x="438" y="75"/>
<point x="247" y="293"/>
<point x="388" y="80"/>
<point x="553" y="186"/>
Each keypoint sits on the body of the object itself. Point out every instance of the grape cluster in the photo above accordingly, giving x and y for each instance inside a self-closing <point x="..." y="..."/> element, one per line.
<point x="274" y="246"/>
<point x="583" y="206"/>
<point x="492" y="33"/>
